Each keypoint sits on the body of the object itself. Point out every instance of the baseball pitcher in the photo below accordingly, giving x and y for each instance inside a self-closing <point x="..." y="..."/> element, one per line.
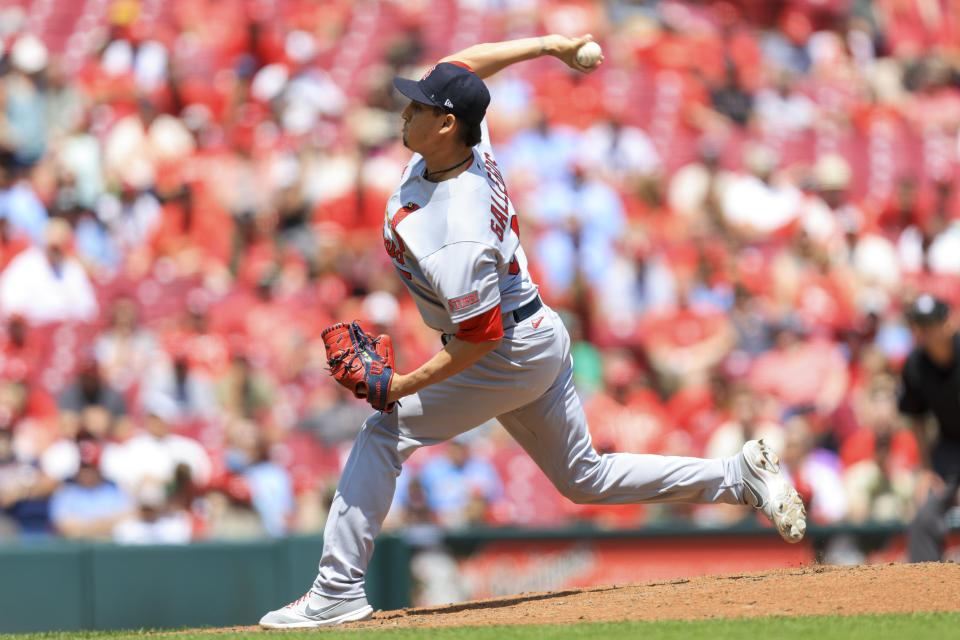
<point x="452" y="233"/>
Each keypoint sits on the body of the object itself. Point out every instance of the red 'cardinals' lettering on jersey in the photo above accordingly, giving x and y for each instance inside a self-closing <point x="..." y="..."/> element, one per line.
<point x="394" y="247"/>
<point x="394" y="244"/>
<point x="459" y="235"/>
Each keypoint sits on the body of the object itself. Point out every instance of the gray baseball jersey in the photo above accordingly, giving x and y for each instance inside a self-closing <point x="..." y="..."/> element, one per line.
<point x="456" y="247"/>
<point x="456" y="243"/>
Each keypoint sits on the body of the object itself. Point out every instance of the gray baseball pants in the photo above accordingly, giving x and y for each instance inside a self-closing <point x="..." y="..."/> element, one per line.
<point x="527" y="384"/>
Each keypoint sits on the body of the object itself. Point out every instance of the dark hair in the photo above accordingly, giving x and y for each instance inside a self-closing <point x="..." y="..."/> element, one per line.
<point x="470" y="134"/>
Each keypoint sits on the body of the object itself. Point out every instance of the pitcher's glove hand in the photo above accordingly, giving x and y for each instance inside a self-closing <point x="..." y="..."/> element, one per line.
<point x="362" y="365"/>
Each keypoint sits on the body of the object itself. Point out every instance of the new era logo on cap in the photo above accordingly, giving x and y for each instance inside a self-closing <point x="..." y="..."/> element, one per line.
<point x="926" y="304"/>
<point x="448" y="104"/>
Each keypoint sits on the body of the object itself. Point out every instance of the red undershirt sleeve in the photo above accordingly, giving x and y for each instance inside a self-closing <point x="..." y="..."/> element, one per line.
<point x="486" y="326"/>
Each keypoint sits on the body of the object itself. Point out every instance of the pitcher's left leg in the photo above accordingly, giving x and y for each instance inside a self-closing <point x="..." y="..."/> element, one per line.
<point x="553" y="431"/>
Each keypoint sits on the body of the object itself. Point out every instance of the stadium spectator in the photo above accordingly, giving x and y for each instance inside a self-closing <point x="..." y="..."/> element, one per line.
<point x="88" y="507"/>
<point x="90" y="406"/>
<point x="695" y="189"/>
<point x="19" y="350"/>
<point x="155" y="520"/>
<point x="270" y="486"/>
<point x="624" y="415"/>
<point x="48" y="285"/>
<point x="24" y="492"/>
<point x="880" y="458"/>
<point x="8" y="526"/>
<point x="759" y="203"/>
<point x="124" y="349"/>
<point x="228" y="515"/>
<point x="781" y="110"/>
<point x="244" y="392"/>
<point x="153" y="454"/>
<point x="176" y="382"/>
<point x="731" y="100"/>
<point x="684" y="342"/>
<point x="581" y="219"/>
<point x="800" y="371"/>
<point x="22" y="211"/>
<point x="459" y="486"/>
<point x="744" y="419"/>
<point x="129" y="216"/>
<point x="816" y="469"/>
<point x="24" y="129"/>
<point x="622" y="154"/>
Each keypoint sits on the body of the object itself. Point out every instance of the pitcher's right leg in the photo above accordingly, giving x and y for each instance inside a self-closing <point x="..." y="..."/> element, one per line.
<point x="359" y="507"/>
<point x="439" y="412"/>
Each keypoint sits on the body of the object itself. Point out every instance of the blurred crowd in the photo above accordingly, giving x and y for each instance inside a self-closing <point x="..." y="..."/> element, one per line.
<point x="730" y="215"/>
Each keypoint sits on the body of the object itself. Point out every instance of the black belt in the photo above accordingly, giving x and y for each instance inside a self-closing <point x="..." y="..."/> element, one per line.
<point x="527" y="310"/>
<point x="519" y="315"/>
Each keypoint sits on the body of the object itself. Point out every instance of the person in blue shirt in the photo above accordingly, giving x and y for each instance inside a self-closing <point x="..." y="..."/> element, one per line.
<point x="454" y="480"/>
<point x="19" y="204"/>
<point x="89" y="506"/>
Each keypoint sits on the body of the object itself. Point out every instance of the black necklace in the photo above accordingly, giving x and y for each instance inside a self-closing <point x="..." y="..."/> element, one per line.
<point x="427" y="174"/>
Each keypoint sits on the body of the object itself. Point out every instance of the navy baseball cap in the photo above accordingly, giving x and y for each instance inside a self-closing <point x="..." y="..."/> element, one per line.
<point x="452" y="87"/>
<point x="927" y="310"/>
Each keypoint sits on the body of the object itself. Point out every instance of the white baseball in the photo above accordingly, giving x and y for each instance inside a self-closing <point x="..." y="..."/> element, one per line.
<point x="589" y="54"/>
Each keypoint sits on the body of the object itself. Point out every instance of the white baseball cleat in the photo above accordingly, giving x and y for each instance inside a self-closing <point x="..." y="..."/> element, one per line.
<point x="313" y="610"/>
<point x="765" y="489"/>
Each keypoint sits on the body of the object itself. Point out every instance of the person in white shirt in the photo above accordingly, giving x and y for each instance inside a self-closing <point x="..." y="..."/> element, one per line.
<point x="155" y="454"/>
<point x="156" y="520"/>
<point x="758" y="203"/>
<point x="47" y="285"/>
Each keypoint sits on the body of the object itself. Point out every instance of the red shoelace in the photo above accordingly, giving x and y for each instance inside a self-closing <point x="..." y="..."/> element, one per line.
<point x="298" y="600"/>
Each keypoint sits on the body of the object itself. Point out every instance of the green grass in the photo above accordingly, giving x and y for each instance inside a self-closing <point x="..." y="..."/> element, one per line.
<point x="916" y="626"/>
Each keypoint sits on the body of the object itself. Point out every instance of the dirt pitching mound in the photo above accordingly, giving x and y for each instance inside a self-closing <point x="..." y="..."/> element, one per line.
<point x="821" y="590"/>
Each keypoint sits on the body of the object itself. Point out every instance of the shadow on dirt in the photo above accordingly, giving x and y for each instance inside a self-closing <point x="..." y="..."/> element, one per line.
<point x="487" y="604"/>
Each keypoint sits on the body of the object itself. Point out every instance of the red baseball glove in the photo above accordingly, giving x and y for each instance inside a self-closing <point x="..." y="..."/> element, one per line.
<point x="362" y="365"/>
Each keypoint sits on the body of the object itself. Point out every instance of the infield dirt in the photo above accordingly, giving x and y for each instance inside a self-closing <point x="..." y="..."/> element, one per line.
<point x="815" y="590"/>
<point x="818" y="590"/>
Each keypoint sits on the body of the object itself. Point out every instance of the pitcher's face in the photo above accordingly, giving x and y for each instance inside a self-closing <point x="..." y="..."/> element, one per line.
<point x="420" y="125"/>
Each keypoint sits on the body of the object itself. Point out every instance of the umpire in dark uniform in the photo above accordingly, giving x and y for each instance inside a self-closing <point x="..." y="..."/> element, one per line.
<point x="931" y="385"/>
